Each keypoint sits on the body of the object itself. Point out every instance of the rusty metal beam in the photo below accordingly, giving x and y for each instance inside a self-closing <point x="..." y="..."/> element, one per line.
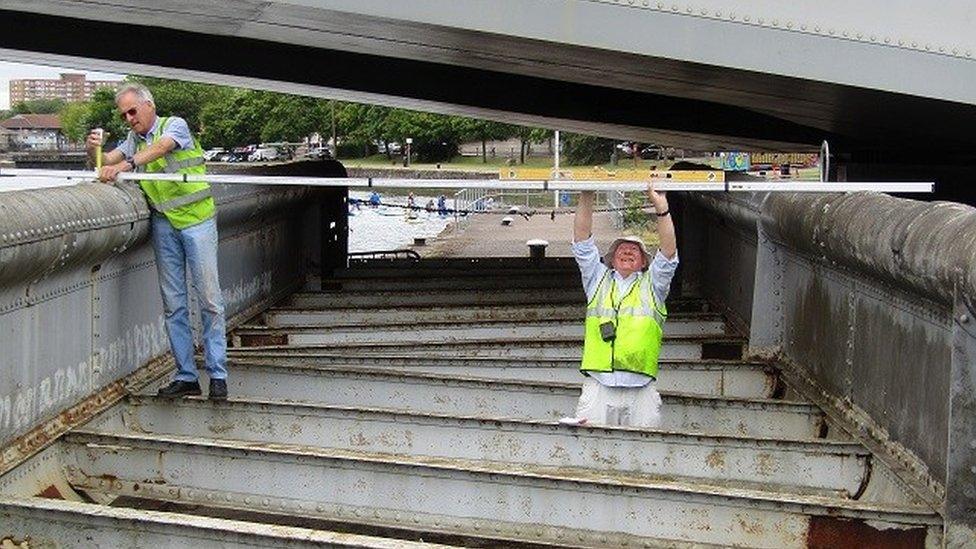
<point x="675" y="348"/>
<point x="428" y="393"/>
<point x="826" y="468"/>
<point x="716" y="377"/>
<point x="419" y="333"/>
<point x="524" y="503"/>
<point x="281" y="317"/>
<point x="40" y="522"/>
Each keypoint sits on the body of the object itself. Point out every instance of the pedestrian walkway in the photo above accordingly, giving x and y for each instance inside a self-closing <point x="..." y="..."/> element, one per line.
<point x="485" y="236"/>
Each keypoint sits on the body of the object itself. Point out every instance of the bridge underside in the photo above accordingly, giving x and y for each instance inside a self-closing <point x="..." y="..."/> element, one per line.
<point x="515" y="79"/>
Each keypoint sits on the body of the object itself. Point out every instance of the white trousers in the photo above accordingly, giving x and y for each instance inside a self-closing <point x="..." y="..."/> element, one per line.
<point x="624" y="406"/>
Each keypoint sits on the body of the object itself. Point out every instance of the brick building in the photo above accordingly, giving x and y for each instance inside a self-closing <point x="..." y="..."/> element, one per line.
<point x="71" y="87"/>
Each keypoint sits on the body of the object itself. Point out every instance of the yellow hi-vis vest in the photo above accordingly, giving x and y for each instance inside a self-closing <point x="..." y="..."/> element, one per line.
<point x="183" y="204"/>
<point x="639" y="322"/>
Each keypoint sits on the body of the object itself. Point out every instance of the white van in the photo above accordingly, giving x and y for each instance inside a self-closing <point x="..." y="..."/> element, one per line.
<point x="262" y="155"/>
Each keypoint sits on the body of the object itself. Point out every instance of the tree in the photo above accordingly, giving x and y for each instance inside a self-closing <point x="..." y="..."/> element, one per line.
<point x="102" y="113"/>
<point x="184" y="99"/>
<point x="527" y="136"/>
<point x="484" y="131"/>
<point x="586" y="150"/>
<point x="293" y="118"/>
<point x="39" y="106"/>
<point x="74" y="121"/>
<point x="228" y="122"/>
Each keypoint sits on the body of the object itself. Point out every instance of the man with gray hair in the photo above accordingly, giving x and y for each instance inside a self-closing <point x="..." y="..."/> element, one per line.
<point x="184" y="232"/>
<point x="625" y="313"/>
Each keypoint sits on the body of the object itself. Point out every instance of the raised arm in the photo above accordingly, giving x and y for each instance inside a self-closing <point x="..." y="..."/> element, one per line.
<point x="583" y="220"/>
<point x="665" y="225"/>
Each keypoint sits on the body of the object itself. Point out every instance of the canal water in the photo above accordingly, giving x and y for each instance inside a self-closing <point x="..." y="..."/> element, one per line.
<point x="388" y="227"/>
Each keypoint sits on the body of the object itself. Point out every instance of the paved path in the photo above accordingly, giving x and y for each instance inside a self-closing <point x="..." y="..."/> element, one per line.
<point x="485" y="236"/>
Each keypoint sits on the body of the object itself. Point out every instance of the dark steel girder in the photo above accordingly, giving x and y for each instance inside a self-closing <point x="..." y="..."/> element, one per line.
<point x="639" y="97"/>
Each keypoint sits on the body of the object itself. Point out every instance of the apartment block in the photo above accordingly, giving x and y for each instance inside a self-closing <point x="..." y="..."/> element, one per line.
<point x="71" y="87"/>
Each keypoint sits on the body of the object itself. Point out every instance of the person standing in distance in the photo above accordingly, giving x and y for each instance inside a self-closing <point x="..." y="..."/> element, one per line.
<point x="625" y="316"/>
<point x="183" y="232"/>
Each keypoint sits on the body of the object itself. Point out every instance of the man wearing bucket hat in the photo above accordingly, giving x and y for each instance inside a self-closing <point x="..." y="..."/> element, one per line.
<point x="625" y="316"/>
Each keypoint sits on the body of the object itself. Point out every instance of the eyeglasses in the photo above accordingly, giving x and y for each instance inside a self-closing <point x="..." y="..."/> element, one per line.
<point x="130" y="112"/>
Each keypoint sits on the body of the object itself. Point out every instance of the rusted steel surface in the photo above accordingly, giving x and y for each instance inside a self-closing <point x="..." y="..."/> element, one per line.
<point x="426" y="333"/>
<point x="38" y="522"/>
<point x="511" y="398"/>
<point x="890" y="238"/>
<point x="286" y="317"/>
<point x="835" y="533"/>
<point x="280" y="317"/>
<point x="675" y="348"/>
<point x="534" y="502"/>
<point x="512" y="297"/>
<point x="727" y="378"/>
<point x="485" y="282"/>
<point x="816" y="467"/>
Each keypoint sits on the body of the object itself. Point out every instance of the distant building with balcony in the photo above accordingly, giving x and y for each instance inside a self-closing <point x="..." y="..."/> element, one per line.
<point x="71" y="88"/>
<point x="40" y="132"/>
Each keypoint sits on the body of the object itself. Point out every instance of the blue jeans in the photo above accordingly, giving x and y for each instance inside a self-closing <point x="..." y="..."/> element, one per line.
<point x="194" y="247"/>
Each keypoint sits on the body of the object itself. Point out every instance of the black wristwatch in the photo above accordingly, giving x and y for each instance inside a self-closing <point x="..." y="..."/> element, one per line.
<point x="662" y="214"/>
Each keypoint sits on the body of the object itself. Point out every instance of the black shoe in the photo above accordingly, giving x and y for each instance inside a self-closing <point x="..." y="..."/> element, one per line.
<point x="218" y="389"/>
<point x="179" y="389"/>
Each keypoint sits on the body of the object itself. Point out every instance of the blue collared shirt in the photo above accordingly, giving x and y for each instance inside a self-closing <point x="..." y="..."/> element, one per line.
<point x="592" y="271"/>
<point x="177" y="130"/>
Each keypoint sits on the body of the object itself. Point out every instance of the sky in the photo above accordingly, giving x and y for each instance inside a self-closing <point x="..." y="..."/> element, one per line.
<point x="9" y="71"/>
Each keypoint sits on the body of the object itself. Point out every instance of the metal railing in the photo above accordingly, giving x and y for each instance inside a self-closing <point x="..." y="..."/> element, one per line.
<point x="616" y="202"/>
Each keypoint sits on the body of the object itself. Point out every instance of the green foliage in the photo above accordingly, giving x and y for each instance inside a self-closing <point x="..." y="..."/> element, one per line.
<point x="38" y="106"/>
<point x="635" y="218"/>
<point x="485" y="130"/>
<point x="103" y="114"/>
<point x="351" y="149"/>
<point x="184" y="99"/>
<point x="232" y="117"/>
<point x="74" y="121"/>
<point x="586" y="150"/>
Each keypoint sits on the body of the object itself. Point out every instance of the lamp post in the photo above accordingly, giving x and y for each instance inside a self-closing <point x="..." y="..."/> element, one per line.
<point x="407" y="160"/>
<point x="555" y="173"/>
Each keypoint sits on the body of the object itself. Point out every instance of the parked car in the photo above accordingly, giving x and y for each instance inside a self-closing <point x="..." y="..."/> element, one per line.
<point x="212" y="155"/>
<point x="263" y="155"/>
<point x="319" y="153"/>
<point x="652" y="152"/>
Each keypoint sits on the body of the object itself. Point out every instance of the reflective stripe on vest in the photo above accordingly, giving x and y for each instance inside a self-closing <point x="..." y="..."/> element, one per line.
<point x="183" y="203"/>
<point x="180" y="201"/>
<point x="639" y="323"/>
<point x="174" y="166"/>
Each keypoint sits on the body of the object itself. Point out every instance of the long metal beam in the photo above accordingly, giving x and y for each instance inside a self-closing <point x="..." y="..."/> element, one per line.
<point x="452" y="298"/>
<point x="674" y="348"/>
<point x="529" y="185"/>
<point x="484" y="281"/>
<point x="519" y="502"/>
<point x="717" y="378"/>
<point x="41" y="522"/>
<point x="477" y="397"/>
<point x="445" y="331"/>
<point x="327" y="318"/>
<point x="830" y="468"/>
<point x="281" y="317"/>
